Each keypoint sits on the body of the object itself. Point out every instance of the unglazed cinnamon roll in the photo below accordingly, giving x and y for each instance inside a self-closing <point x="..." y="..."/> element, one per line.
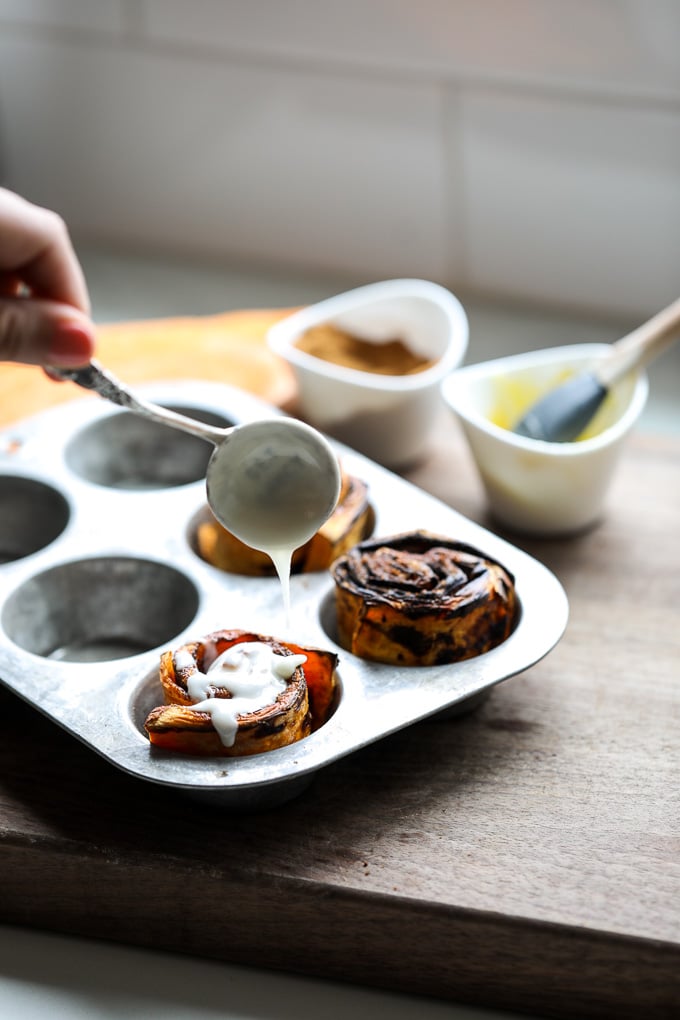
<point x="352" y="520"/>
<point x="236" y="693"/>
<point x="417" y="599"/>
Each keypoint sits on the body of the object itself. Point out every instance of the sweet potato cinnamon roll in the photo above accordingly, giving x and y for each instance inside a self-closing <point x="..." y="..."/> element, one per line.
<point x="418" y="599"/>
<point x="352" y="520"/>
<point x="237" y="693"/>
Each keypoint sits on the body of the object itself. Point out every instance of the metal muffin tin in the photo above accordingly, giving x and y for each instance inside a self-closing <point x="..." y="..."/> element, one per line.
<point x="99" y="575"/>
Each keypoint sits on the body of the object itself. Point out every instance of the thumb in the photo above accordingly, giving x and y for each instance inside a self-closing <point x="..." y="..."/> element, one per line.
<point x="38" y="332"/>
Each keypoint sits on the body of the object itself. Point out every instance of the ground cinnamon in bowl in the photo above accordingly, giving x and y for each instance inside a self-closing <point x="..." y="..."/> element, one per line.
<point x="369" y="364"/>
<point x="388" y="357"/>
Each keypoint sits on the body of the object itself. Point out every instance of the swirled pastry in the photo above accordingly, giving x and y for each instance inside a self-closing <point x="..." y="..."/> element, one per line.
<point x="417" y="599"/>
<point x="237" y="693"/>
<point x="352" y="520"/>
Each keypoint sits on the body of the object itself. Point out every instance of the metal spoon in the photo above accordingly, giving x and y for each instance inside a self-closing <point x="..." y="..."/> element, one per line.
<point x="272" y="483"/>
<point x="562" y="414"/>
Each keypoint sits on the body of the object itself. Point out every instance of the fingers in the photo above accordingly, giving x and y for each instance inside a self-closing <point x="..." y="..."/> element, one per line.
<point x="36" y="249"/>
<point x="44" y="332"/>
<point x="44" y="304"/>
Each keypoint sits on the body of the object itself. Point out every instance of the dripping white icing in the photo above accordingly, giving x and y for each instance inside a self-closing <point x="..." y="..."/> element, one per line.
<point x="252" y="672"/>
<point x="273" y="484"/>
<point x="281" y="558"/>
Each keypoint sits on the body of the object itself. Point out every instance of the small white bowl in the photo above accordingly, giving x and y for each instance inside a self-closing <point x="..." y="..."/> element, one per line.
<point x="386" y="417"/>
<point x="532" y="486"/>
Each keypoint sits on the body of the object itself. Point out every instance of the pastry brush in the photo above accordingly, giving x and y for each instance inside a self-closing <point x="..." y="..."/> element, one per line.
<point x="561" y="415"/>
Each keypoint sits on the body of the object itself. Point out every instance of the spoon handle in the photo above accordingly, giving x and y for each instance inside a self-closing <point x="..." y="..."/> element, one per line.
<point x="644" y="343"/>
<point x="94" y="377"/>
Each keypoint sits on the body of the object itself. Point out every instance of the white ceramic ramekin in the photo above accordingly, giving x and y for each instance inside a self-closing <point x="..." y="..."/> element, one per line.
<point x="536" y="487"/>
<point x="388" y="418"/>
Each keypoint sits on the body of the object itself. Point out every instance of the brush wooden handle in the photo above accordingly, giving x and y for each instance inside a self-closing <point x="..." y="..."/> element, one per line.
<point x="637" y="348"/>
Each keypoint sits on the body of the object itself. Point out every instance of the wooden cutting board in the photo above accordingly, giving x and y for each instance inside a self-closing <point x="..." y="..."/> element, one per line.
<point x="524" y="856"/>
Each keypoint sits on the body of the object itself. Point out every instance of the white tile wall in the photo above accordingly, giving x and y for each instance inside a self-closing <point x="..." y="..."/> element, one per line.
<point x="83" y="15"/>
<point x="226" y="159"/>
<point x="629" y="44"/>
<point x="524" y="148"/>
<point x="572" y="200"/>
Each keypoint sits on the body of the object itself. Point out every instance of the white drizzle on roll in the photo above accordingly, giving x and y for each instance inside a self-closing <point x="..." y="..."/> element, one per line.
<point x="252" y="672"/>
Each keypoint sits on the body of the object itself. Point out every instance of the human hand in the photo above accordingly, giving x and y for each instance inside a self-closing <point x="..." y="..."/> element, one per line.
<point x="44" y="304"/>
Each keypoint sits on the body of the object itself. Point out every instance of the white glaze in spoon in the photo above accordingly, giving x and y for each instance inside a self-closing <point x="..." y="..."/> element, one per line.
<point x="272" y="483"/>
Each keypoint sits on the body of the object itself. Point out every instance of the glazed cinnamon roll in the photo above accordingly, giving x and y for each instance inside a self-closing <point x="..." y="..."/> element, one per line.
<point x="418" y="599"/>
<point x="352" y="520"/>
<point x="237" y="693"/>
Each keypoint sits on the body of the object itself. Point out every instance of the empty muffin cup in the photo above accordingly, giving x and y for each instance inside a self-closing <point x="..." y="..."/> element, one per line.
<point x="32" y="515"/>
<point x="95" y="610"/>
<point x="125" y="451"/>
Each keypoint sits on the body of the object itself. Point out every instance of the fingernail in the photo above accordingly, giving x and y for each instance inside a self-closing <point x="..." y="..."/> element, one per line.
<point x="72" y="344"/>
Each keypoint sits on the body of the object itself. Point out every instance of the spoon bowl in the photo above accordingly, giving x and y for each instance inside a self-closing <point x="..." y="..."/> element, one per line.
<point x="272" y="482"/>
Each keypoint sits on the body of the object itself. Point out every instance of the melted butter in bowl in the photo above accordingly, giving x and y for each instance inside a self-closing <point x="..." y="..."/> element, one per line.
<point x="513" y="394"/>
<point x="535" y="487"/>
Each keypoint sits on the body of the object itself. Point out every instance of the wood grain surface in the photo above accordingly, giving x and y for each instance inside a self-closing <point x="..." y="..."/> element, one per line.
<point x="526" y="855"/>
